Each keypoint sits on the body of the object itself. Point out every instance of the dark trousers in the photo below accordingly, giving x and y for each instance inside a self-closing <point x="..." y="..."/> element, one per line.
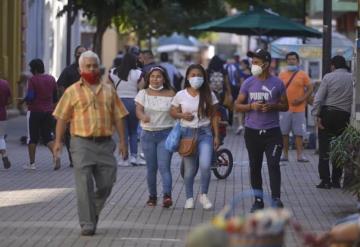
<point x="334" y="122"/>
<point x="269" y="142"/>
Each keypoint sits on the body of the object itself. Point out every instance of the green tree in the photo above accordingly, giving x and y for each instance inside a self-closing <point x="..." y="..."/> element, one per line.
<point x="101" y="12"/>
<point x="148" y="18"/>
<point x="281" y="7"/>
<point x="164" y="17"/>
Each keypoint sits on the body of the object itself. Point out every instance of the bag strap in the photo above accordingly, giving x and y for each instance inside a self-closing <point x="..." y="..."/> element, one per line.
<point x="291" y="78"/>
<point x="118" y="83"/>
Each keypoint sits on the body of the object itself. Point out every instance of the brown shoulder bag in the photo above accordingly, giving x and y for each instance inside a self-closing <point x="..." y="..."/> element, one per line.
<point x="187" y="146"/>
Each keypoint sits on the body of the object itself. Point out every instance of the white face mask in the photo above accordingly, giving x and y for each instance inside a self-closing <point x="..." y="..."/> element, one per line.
<point x="196" y="82"/>
<point x="256" y="70"/>
<point x="156" y="89"/>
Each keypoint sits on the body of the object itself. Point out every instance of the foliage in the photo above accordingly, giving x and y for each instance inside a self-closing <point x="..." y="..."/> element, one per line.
<point x="279" y="6"/>
<point x="345" y="150"/>
<point x="153" y="18"/>
<point x="167" y="16"/>
<point x="102" y="11"/>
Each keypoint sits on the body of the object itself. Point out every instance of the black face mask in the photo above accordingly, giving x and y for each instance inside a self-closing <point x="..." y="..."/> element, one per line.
<point x="139" y="64"/>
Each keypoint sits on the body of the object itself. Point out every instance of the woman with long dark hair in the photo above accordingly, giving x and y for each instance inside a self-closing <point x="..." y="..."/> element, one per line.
<point x="195" y="106"/>
<point x="127" y="80"/>
<point x="152" y="109"/>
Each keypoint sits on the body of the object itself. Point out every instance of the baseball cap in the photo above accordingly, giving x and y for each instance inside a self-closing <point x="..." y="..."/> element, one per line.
<point x="260" y="53"/>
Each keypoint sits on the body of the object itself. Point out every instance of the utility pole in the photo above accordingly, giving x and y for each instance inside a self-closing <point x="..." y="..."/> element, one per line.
<point x="326" y="54"/>
<point x="68" y="33"/>
<point x="357" y="71"/>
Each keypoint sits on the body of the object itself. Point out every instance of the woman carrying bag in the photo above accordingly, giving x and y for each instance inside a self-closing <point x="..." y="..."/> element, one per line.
<point x="152" y="109"/>
<point x="195" y="106"/>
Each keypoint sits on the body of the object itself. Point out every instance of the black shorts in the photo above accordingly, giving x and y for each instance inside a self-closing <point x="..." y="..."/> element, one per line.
<point x="40" y="124"/>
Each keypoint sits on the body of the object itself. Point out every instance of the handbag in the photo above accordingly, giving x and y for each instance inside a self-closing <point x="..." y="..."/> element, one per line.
<point x="173" y="139"/>
<point x="187" y="146"/>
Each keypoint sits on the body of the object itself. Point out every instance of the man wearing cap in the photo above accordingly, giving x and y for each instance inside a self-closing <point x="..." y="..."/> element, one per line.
<point x="332" y="106"/>
<point x="261" y="97"/>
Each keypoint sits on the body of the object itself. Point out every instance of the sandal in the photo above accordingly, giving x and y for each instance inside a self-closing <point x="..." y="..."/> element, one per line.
<point x="167" y="202"/>
<point x="152" y="201"/>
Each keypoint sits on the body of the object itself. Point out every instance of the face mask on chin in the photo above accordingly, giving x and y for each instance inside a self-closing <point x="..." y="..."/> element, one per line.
<point x="156" y="88"/>
<point x="91" y="77"/>
<point x="292" y="68"/>
<point x="256" y="70"/>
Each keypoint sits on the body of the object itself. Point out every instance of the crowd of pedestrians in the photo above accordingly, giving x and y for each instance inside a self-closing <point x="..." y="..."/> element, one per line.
<point x="144" y="100"/>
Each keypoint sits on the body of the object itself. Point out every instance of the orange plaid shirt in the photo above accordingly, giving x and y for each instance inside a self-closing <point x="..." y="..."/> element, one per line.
<point x="90" y="114"/>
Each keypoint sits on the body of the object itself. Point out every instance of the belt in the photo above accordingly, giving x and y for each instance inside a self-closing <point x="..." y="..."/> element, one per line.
<point x="95" y="138"/>
<point x="332" y="108"/>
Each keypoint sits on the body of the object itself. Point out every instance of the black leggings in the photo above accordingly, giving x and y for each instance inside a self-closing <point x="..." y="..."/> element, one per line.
<point x="268" y="141"/>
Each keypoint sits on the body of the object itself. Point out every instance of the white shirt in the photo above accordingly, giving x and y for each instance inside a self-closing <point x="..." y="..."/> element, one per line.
<point x="190" y="104"/>
<point x="157" y="108"/>
<point x="129" y="88"/>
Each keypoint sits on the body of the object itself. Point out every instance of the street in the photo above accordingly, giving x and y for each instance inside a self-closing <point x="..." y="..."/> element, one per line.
<point x="38" y="208"/>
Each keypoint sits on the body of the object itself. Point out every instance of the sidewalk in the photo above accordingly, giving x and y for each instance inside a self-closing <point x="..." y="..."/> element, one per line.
<point x="38" y="208"/>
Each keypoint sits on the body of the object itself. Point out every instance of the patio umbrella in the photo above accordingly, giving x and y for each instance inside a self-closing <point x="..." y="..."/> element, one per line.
<point x="176" y="42"/>
<point x="258" y="22"/>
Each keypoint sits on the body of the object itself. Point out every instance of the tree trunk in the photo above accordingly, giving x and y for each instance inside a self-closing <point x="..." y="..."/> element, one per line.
<point x="100" y="30"/>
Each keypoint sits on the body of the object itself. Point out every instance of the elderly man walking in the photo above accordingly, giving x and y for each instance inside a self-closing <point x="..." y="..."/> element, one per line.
<point x="332" y="106"/>
<point x="92" y="108"/>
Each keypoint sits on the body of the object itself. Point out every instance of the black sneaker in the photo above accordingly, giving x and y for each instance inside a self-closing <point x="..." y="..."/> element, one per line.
<point x="258" y="204"/>
<point x="324" y="185"/>
<point x="6" y="162"/>
<point x="335" y="185"/>
<point x="277" y="203"/>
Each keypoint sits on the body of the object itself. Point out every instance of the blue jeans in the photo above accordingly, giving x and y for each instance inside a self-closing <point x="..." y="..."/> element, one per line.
<point x="131" y="125"/>
<point x="205" y="149"/>
<point x="156" y="156"/>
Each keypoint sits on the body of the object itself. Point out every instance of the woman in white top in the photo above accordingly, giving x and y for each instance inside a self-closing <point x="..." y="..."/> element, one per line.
<point x="195" y="106"/>
<point x="127" y="80"/>
<point x="153" y="110"/>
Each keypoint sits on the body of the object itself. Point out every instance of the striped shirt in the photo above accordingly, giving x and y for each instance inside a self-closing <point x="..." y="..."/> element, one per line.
<point x="91" y="114"/>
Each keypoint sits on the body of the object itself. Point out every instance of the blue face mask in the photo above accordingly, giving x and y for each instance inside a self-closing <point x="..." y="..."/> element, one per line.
<point x="292" y="67"/>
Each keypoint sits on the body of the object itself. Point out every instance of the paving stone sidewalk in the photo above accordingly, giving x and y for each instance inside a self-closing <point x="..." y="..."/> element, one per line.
<point x="38" y="208"/>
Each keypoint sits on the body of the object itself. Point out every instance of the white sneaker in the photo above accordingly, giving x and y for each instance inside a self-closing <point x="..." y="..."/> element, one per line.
<point x="205" y="202"/>
<point x="133" y="160"/>
<point x="239" y="129"/>
<point x="189" y="204"/>
<point x="30" y="166"/>
<point x="141" y="161"/>
<point x="123" y="163"/>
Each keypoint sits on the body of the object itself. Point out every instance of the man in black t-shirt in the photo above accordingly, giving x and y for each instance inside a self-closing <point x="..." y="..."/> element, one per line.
<point x="69" y="76"/>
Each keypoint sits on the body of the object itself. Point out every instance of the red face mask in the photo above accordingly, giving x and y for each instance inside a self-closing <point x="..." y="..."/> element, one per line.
<point x="91" y="77"/>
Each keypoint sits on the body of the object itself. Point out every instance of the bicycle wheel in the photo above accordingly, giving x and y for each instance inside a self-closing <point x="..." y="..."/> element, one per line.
<point x="182" y="168"/>
<point x="224" y="163"/>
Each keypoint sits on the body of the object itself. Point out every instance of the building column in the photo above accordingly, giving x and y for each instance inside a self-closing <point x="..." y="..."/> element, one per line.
<point x="10" y="44"/>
